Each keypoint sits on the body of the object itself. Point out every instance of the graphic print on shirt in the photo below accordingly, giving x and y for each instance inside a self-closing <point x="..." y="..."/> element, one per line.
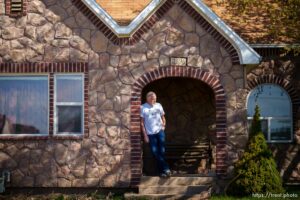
<point x="152" y="117"/>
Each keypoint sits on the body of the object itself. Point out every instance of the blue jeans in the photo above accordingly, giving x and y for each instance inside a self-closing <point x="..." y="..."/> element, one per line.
<point x="157" y="145"/>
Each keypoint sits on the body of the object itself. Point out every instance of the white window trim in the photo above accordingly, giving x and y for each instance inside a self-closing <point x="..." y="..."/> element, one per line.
<point x="18" y="76"/>
<point x="55" y="104"/>
<point x="269" y="118"/>
<point x="269" y="129"/>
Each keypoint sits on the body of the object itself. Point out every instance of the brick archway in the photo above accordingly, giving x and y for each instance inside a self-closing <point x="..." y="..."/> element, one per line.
<point x="272" y="78"/>
<point x="175" y="71"/>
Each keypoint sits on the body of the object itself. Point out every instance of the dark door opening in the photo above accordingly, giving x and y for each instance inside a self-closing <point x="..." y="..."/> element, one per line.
<point x="189" y="105"/>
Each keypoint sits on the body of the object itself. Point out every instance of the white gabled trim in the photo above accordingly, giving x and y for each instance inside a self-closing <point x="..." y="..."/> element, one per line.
<point x="123" y="31"/>
<point x="246" y="54"/>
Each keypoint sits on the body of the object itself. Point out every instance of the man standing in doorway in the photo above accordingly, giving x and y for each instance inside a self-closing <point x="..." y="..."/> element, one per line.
<point x="153" y="125"/>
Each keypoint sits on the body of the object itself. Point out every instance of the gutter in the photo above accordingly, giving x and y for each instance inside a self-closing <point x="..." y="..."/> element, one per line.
<point x="283" y="45"/>
<point x="5" y="178"/>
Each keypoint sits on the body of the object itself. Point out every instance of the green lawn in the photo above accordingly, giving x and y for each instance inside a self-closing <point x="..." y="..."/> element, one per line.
<point x="289" y="190"/>
<point x="119" y="196"/>
<point x="90" y="196"/>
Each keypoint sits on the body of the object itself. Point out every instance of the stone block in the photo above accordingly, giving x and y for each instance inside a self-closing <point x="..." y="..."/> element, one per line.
<point x="138" y="57"/>
<point x="192" y="39"/>
<point x="187" y="23"/>
<point x="45" y="33"/>
<point x="62" y="182"/>
<point x="62" y="31"/>
<point x="99" y="42"/>
<point x="174" y="37"/>
<point x="110" y="117"/>
<point x="157" y="42"/>
<point x="36" y="19"/>
<point x="226" y="66"/>
<point x="10" y="33"/>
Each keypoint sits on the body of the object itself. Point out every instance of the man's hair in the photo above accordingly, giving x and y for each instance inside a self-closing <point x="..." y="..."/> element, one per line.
<point x="150" y="94"/>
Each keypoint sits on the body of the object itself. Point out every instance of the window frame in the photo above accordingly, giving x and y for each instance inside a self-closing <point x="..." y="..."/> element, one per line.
<point x="55" y="104"/>
<point x="269" y="119"/>
<point x="46" y="75"/>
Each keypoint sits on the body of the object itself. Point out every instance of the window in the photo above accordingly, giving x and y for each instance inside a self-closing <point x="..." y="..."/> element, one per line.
<point x="69" y="104"/>
<point x="24" y="105"/>
<point x="276" y="111"/>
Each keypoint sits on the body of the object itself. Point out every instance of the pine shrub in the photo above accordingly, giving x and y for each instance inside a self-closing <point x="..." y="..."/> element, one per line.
<point x="256" y="171"/>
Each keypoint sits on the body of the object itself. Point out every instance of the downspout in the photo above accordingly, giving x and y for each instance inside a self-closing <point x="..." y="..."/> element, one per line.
<point x="5" y="178"/>
<point x="245" y="75"/>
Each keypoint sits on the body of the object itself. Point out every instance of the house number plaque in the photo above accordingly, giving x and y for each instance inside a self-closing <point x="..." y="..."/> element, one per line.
<point x="178" y="61"/>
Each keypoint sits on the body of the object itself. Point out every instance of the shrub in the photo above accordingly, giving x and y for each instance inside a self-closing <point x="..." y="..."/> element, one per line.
<point x="256" y="171"/>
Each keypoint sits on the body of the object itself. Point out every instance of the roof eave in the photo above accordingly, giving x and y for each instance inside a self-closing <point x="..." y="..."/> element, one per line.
<point x="123" y="31"/>
<point x="246" y="53"/>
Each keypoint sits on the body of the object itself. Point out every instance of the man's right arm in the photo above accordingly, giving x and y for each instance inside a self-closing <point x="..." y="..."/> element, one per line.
<point x="146" y="138"/>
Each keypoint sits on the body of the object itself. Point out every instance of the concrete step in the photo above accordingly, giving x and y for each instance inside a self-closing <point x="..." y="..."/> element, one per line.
<point x="182" y="190"/>
<point x="134" y="196"/>
<point x="176" y="181"/>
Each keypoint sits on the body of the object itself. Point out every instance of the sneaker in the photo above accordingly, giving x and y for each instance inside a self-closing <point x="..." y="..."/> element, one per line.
<point x="163" y="175"/>
<point x="168" y="173"/>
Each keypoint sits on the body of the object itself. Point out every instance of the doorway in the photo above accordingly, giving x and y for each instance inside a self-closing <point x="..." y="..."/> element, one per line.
<point x="190" y="110"/>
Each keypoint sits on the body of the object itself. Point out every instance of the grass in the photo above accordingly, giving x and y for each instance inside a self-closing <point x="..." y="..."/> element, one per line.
<point x="120" y="196"/>
<point x="289" y="190"/>
<point x="91" y="196"/>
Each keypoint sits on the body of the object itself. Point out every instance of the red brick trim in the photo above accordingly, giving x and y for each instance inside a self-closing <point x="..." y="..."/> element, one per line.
<point x="176" y="71"/>
<point x="285" y="84"/>
<point x="15" y="14"/>
<point x="51" y="103"/>
<point x="43" y="67"/>
<point x="51" y="69"/>
<point x="152" y="20"/>
<point x="266" y="52"/>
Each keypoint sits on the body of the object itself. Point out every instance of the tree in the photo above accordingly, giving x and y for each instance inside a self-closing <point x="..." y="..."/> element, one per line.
<point x="256" y="171"/>
<point x="284" y="15"/>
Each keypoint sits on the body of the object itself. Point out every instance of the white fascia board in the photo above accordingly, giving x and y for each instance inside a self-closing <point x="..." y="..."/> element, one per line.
<point x="123" y="31"/>
<point x="246" y="54"/>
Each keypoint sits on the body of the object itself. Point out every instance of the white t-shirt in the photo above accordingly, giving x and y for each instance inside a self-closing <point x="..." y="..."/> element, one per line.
<point x="152" y="117"/>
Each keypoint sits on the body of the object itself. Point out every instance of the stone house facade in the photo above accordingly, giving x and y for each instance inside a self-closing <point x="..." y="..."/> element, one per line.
<point x="61" y="44"/>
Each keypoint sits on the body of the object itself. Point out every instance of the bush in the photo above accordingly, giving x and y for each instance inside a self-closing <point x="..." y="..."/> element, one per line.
<point x="256" y="171"/>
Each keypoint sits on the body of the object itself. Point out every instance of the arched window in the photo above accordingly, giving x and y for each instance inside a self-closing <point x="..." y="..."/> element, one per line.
<point x="275" y="109"/>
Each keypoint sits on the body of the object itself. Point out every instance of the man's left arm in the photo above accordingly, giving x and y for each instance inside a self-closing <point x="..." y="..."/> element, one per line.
<point x="163" y="121"/>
